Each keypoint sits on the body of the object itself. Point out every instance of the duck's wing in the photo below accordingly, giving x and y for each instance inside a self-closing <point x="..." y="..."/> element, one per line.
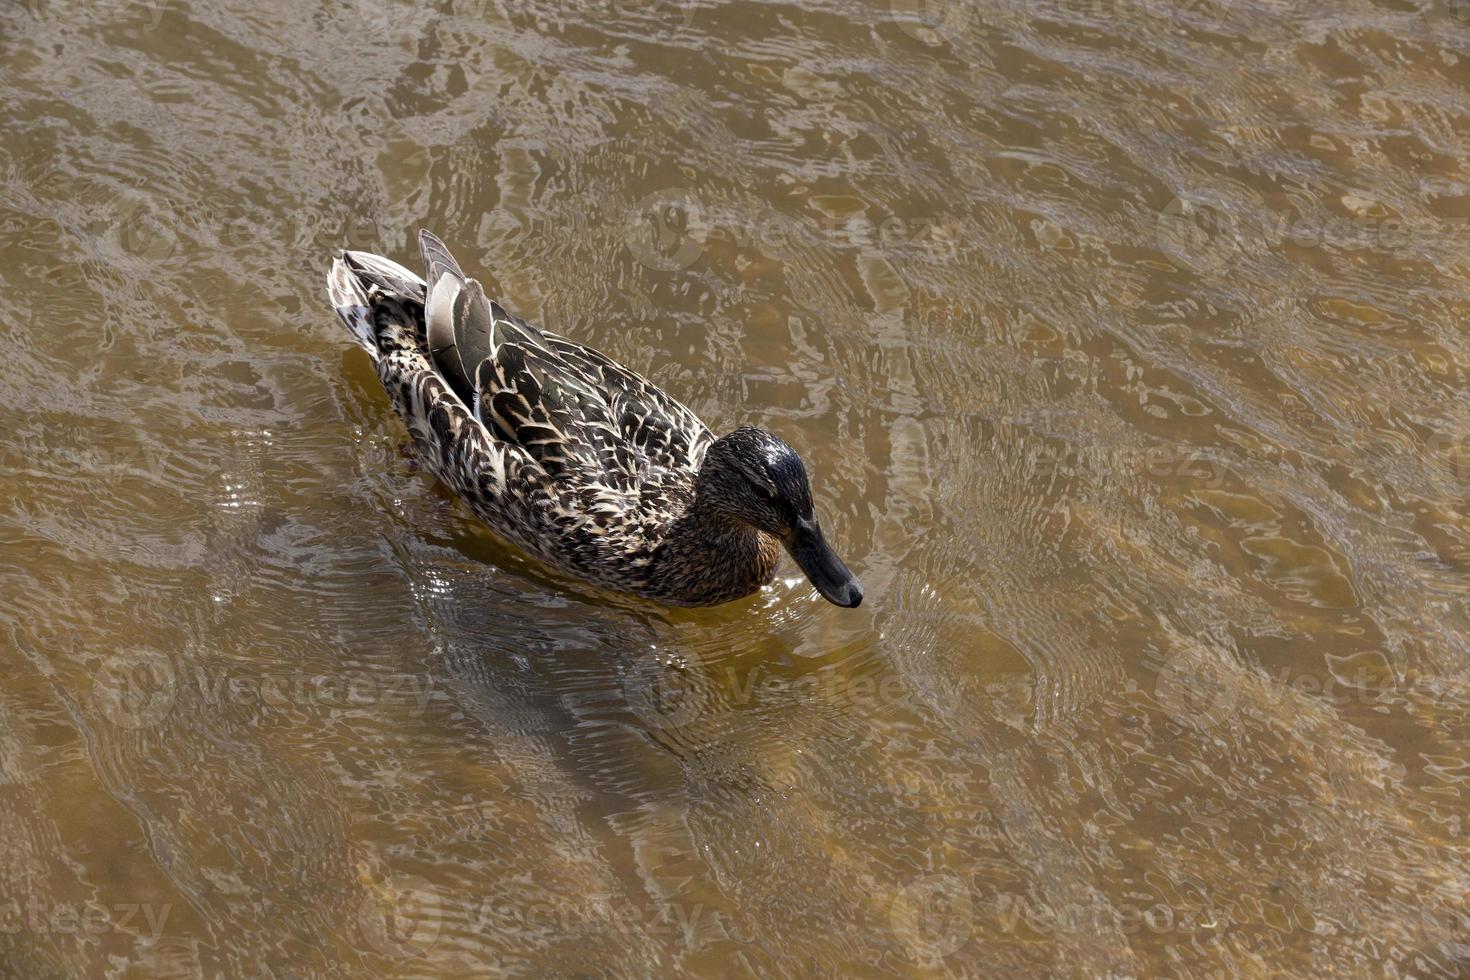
<point x="577" y="412"/>
<point x="581" y="414"/>
<point x="463" y="327"/>
<point x="647" y="428"/>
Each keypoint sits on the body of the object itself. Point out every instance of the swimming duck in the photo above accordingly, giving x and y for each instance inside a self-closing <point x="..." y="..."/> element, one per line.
<point x="580" y="461"/>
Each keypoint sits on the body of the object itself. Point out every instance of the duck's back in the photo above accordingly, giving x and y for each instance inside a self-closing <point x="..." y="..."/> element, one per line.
<point x="553" y="444"/>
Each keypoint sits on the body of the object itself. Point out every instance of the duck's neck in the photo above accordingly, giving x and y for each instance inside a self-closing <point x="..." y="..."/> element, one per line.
<point x="706" y="558"/>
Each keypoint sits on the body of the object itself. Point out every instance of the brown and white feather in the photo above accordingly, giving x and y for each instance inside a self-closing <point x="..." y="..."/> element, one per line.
<point x="552" y="444"/>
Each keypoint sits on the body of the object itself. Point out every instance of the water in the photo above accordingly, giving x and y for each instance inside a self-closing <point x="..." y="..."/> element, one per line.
<point x="1125" y="340"/>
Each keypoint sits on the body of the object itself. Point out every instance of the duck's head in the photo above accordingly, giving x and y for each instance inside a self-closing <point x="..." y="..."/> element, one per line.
<point x="751" y="476"/>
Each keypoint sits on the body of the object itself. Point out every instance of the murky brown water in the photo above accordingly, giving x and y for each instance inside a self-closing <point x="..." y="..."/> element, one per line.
<point x="1126" y="339"/>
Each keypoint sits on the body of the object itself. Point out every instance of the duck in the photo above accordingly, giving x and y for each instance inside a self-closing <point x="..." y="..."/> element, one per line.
<point x="579" y="461"/>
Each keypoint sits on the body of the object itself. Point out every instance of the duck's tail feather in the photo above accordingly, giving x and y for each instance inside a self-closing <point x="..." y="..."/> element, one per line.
<point x="350" y="301"/>
<point x="354" y="278"/>
<point x="437" y="260"/>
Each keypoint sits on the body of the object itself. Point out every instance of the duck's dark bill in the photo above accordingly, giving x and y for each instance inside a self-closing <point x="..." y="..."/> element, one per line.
<point x="821" y="564"/>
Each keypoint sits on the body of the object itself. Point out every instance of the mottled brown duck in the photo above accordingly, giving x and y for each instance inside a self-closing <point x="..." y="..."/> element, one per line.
<point x="580" y="461"/>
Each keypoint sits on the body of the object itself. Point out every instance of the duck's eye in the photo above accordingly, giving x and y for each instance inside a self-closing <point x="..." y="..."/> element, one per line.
<point x="765" y="493"/>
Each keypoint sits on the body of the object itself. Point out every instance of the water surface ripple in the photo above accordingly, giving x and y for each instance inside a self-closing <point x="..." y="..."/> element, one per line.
<point x="1126" y="341"/>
